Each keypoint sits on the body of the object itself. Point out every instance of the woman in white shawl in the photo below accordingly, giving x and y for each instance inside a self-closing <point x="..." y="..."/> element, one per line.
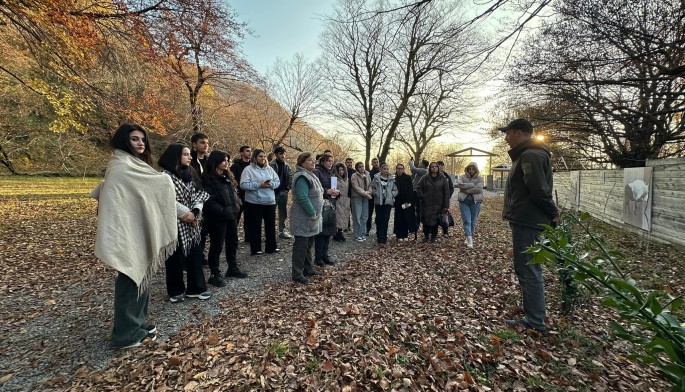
<point x="190" y="200"/>
<point x="136" y="230"/>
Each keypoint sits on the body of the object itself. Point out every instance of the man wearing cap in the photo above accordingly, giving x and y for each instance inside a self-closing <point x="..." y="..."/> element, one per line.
<point x="285" y="175"/>
<point x="528" y="204"/>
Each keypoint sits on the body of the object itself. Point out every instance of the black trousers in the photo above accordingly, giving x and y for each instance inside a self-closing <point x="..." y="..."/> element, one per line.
<point x="302" y="256"/>
<point x="245" y="222"/>
<point x="382" y="220"/>
<point x="417" y="203"/>
<point x="368" y="220"/>
<point x="255" y="214"/>
<point x="222" y="233"/>
<point x="321" y="248"/>
<point x="130" y="312"/>
<point x="174" y="272"/>
<point x="432" y="230"/>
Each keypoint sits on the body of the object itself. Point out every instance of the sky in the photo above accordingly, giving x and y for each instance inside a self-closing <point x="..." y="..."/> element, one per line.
<point x="281" y="28"/>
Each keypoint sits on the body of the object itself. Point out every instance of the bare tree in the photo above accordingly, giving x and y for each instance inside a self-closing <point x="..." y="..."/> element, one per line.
<point x="295" y="84"/>
<point x="428" y="115"/>
<point x="356" y="50"/>
<point x="385" y="59"/>
<point x="609" y="74"/>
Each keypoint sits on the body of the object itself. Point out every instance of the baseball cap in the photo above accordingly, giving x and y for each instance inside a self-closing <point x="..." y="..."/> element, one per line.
<point x="520" y="123"/>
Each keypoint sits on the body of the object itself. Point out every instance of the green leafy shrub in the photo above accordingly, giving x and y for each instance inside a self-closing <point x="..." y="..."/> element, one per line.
<point x="646" y="315"/>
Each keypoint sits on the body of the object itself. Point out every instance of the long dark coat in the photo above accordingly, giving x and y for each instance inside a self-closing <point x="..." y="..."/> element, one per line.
<point x="434" y="194"/>
<point x="324" y="177"/>
<point x="405" y="218"/>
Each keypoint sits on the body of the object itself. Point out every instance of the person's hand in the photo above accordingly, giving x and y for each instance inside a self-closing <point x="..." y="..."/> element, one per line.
<point x="555" y="217"/>
<point x="265" y="184"/>
<point x="188" y="217"/>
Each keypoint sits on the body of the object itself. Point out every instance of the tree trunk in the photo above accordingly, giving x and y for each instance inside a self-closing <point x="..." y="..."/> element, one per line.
<point x="6" y="161"/>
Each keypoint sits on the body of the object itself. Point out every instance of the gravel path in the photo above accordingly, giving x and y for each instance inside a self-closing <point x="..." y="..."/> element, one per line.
<point x="48" y="347"/>
<point x="53" y="346"/>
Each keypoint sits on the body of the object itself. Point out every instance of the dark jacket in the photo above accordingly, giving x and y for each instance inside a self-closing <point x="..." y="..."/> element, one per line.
<point x="324" y="177"/>
<point x="237" y="169"/>
<point x="198" y="164"/>
<point x="528" y="193"/>
<point x="405" y="190"/>
<point x="285" y="174"/>
<point x="434" y="194"/>
<point x="223" y="203"/>
<point x="450" y="183"/>
<point x="350" y="172"/>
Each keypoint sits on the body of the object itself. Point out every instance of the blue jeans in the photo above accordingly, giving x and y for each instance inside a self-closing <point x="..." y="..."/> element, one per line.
<point x="529" y="275"/>
<point x="469" y="211"/>
<point x="360" y="213"/>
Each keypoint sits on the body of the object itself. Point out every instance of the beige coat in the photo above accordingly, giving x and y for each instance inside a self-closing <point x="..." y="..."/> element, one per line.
<point x="470" y="185"/>
<point x="342" y="207"/>
<point x="361" y="183"/>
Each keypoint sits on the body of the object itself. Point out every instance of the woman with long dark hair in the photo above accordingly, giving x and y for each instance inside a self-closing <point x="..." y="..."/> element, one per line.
<point x="384" y="191"/>
<point x="259" y="181"/>
<point x="136" y="230"/>
<point x="434" y="194"/>
<point x="221" y="216"/>
<point x="342" y="206"/>
<point x="175" y="161"/>
<point x="324" y="172"/>
<point x="405" y="215"/>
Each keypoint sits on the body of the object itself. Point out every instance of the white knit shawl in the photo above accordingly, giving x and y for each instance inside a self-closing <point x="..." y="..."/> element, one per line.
<point x="136" y="218"/>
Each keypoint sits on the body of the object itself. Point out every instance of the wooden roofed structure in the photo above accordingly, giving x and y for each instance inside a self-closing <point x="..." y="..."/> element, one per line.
<point x="481" y="153"/>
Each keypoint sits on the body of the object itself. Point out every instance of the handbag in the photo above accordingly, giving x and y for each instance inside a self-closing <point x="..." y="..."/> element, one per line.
<point x="328" y="213"/>
<point x="447" y="219"/>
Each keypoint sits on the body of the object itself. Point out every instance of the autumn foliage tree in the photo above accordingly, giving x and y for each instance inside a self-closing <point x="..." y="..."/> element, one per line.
<point x="200" y="44"/>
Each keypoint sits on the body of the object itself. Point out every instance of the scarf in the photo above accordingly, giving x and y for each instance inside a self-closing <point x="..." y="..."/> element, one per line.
<point x="188" y="195"/>
<point x="136" y="228"/>
<point x="185" y="174"/>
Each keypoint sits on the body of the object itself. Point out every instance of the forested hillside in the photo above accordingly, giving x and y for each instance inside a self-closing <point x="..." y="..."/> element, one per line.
<point x="72" y="71"/>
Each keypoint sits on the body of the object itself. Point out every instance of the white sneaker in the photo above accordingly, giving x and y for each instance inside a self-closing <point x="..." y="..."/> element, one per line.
<point x="469" y="242"/>
<point x="286" y="235"/>
<point x="202" y="296"/>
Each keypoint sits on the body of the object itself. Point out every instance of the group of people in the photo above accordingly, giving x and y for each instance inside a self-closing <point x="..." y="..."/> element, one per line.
<point x="147" y="217"/>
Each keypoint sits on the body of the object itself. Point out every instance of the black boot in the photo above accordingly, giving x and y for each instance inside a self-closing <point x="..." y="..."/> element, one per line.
<point x="234" y="271"/>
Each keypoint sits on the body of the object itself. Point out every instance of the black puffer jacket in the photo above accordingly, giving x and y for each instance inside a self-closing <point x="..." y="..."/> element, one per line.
<point x="324" y="177"/>
<point x="528" y="194"/>
<point x="223" y="203"/>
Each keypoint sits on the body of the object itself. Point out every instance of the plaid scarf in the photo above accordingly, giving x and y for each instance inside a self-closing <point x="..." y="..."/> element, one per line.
<point x="190" y="196"/>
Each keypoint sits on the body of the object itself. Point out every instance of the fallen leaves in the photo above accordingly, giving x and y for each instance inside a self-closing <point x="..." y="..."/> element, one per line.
<point x="408" y="316"/>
